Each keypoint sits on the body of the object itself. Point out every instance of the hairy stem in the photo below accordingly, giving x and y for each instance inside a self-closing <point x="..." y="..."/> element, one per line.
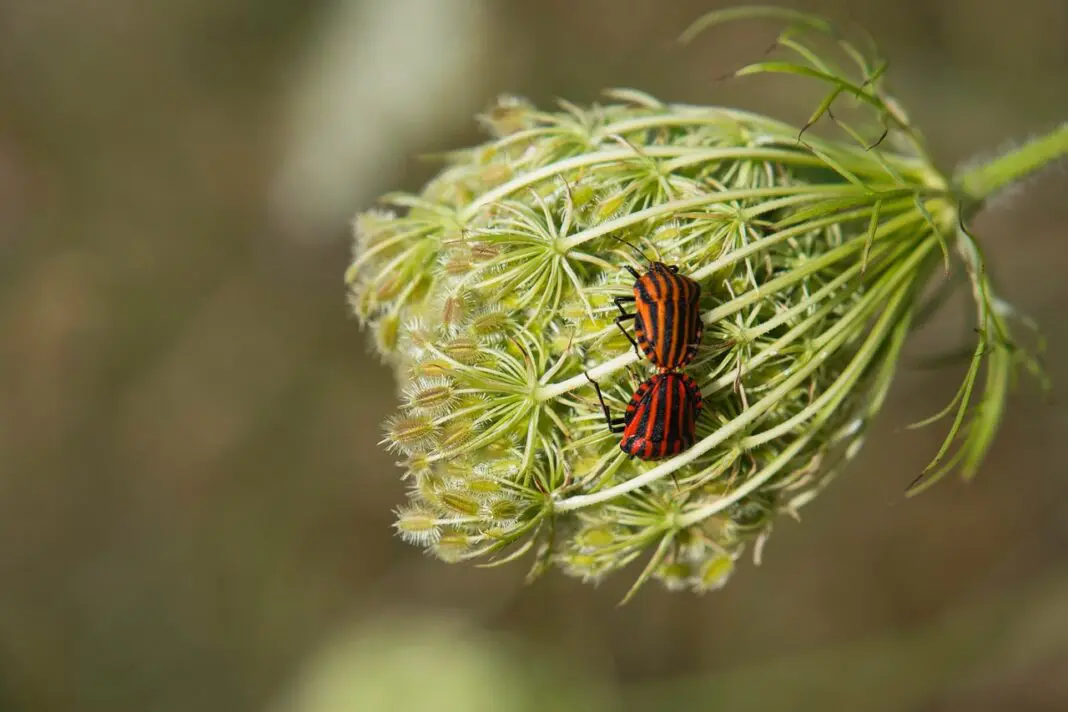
<point x="981" y="182"/>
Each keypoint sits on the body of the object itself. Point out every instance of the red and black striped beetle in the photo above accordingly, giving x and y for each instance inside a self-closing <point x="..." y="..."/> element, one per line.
<point x="661" y="418"/>
<point x="667" y="315"/>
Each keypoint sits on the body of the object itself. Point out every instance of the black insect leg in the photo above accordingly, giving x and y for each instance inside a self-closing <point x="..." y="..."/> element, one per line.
<point x="626" y="316"/>
<point x="620" y="301"/>
<point x="619" y="323"/>
<point x="614" y="425"/>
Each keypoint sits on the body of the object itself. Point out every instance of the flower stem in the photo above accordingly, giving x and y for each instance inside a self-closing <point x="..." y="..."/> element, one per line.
<point x="983" y="181"/>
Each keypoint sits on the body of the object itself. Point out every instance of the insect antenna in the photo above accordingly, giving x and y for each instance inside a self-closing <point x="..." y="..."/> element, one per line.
<point x="632" y="246"/>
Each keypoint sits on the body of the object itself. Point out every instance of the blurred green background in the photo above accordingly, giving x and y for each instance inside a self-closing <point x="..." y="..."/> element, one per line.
<point x="194" y="511"/>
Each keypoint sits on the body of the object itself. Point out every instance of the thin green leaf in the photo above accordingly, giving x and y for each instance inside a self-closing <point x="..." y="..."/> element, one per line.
<point x="988" y="416"/>
<point x="927" y="479"/>
<point x="543" y="559"/>
<point x="823" y="108"/>
<point x="861" y="61"/>
<point x="937" y="231"/>
<point x="803" y="71"/>
<point x="855" y="135"/>
<point x="634" y="96"/>
<point x="861" y="205"/>
<point x="858" y="55"/>
<point x="822" y="209"/>
<point x="839" y="168"/>
<point x="811" y="56"/>
<point x="965" y="396"/>
<point x="512" y="556"/>
<point x="757" y="12"/>
<point x="654" y="561"/>
<point x="872" y="79"/>
<point x="947" y="409"/>
<point x="873" y="227"/>
<point x="407" y="200"/>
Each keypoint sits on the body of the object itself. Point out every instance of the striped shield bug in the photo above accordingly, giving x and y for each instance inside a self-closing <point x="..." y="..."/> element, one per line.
<point x="667" y="314"/>
<point x="661" y="418"/>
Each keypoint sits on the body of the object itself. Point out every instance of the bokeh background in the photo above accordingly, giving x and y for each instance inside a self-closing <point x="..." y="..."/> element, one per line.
<point x="194" y="511"/>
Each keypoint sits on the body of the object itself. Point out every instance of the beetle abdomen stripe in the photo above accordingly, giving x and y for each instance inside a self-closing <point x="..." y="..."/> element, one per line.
<point x="667" y="317"/>
<point x="662" y="416"/>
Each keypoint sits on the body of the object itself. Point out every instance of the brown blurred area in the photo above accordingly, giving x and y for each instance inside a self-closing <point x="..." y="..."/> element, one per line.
<point x="194" y="510"/>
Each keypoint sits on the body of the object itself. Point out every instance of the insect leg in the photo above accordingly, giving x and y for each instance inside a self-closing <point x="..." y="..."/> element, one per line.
<point x="619" y="323"/>
<point x="626" y="316"/>
<point x="615" y="426"/>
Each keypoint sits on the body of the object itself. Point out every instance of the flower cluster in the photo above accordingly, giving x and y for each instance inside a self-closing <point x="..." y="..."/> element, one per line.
<point x="490" y="294"/>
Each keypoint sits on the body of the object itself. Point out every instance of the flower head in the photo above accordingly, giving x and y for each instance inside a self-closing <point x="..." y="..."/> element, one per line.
<point x="491" y="293"/>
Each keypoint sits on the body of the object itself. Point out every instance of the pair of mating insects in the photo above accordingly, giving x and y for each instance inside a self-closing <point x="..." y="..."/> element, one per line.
<point x="661" y="418"/>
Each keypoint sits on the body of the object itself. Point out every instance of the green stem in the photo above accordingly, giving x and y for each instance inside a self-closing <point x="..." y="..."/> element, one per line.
<point x="983" y="181"/>
<point x="561" y="167"/>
